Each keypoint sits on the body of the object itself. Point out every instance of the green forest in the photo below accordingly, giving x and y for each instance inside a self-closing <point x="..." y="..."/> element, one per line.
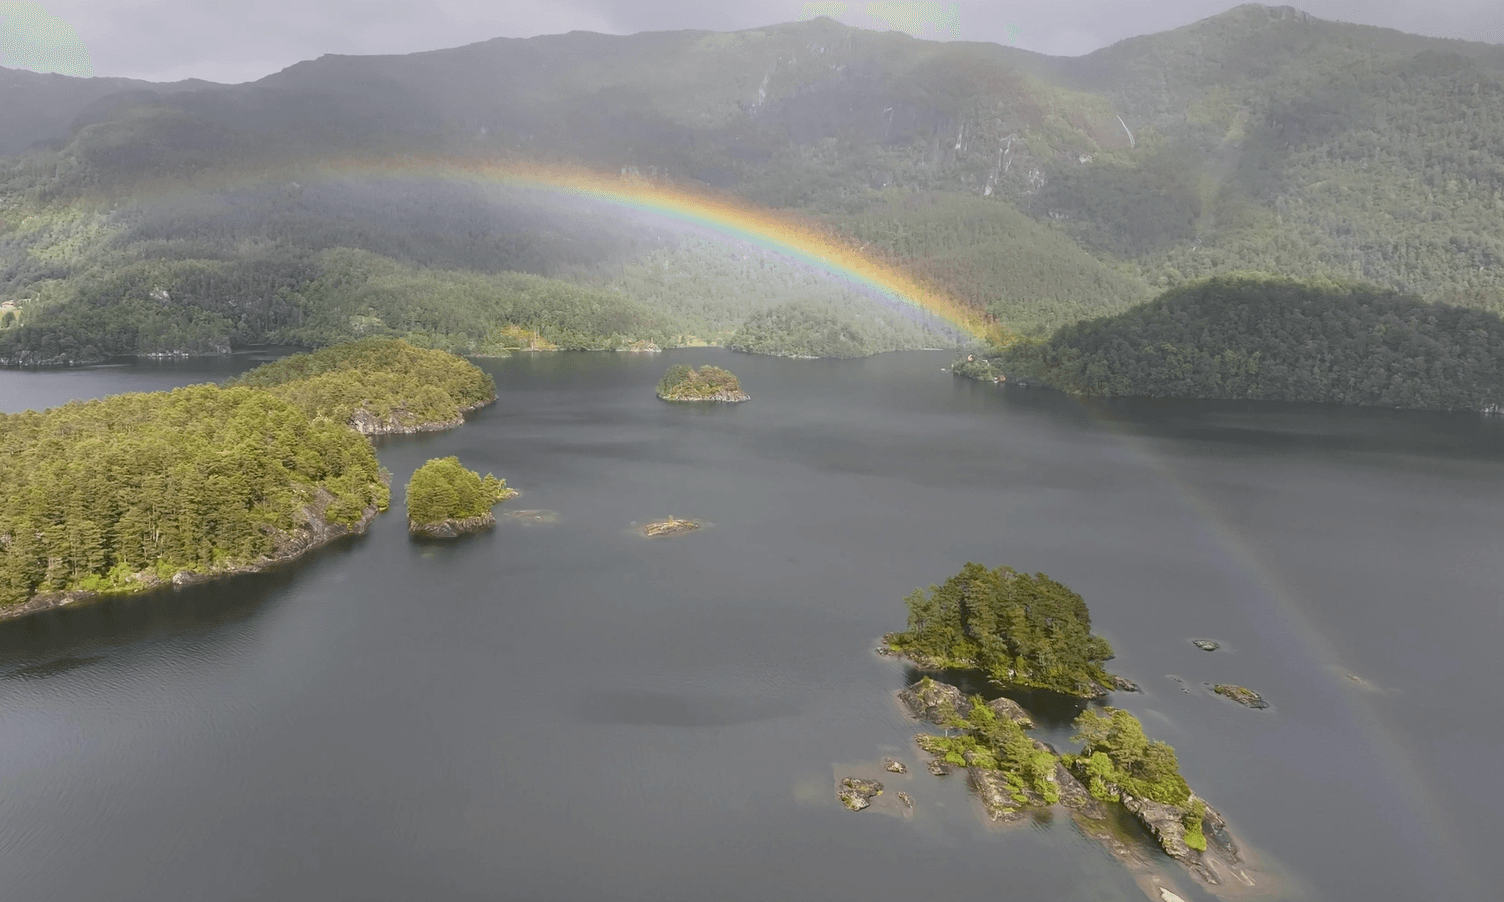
<point x="984" y="739"/>
<point x="397" y="384"/>
<point x="442" y="489"/>
<point x="1268" y="338"/>
<point x="119" y="493"/>
<point x="1021" y="630"/>
<point x="1040" y="192"/>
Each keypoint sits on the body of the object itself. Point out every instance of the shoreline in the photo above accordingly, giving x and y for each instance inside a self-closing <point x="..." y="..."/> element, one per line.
<point x="322" y="534"/>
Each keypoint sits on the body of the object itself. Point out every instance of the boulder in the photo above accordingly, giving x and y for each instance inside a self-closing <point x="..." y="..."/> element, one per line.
<point x="1121" y="684"/>
<point x="1165" y="823"/>
<point x="857" y="794"/>
<point x="1012" y="710"/>
<point x="1206" y="644"/>
<point x="893" y="765"/>
<point x="932" y="701"/>
<point x="906" y="799"/>
<point x="1075" y="796"/>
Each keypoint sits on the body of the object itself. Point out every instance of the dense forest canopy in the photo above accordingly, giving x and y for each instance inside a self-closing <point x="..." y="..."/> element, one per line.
<point x="1022" y="630"/>
<point x="109" y="494"/>
<point x="442" y="489"/>
<point x="1260" y="337"/>
<point x="1121" y="759"/>
<point x="390" y="380"/>
<point x="1039" y="191"/>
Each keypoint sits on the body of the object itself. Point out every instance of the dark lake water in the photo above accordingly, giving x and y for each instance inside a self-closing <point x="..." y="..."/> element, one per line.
<point x="568" y="711"/>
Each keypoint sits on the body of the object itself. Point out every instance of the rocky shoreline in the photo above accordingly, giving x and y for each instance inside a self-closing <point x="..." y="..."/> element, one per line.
<point x="452" y="528"/>
<point x="1213" y="857"/>
<point x="723" y="396"/>
<point x="315" y="533"/>
<point x="401" y="423"/>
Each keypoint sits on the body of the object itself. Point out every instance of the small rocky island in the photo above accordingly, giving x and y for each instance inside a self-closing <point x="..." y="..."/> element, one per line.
<point x="1030" y="632"/>
<point x="445" y="500"/>
<point x="673" y="526"/>
<point x="708" y="383"/>
<point x="1241" y="694"/>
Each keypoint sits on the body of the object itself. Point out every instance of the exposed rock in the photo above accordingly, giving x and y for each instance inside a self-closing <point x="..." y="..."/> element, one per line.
<point x="724" y="396"/>
<point x="905" y="798"/>
<point x="1122" y="684"/>
<point x="893" y="765"/>
<point x="401" y="422"/>
<point x="1165" y="823"/>
<point x="932" y="701"/>
<point x="1012" y="710"/>
<point x="1214" y="827"/>
<point x="1240" y="694"/>
<point x="858" y="794"/>
<point x="1073" y="795"/>
<point x="452" y="528"/>
<point x="996" y="795"/>
<point x="937" y="767"/>
<point x="1206" y="644"/>
<point x="670" y="527"/>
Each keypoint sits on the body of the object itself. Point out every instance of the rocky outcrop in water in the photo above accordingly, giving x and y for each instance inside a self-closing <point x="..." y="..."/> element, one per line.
<point x="932" y="701"/>
<point x="1206" y="644"/>
<point x="1241" y="694"/>
<point x="857" y="794"/>
<point x="670" y="527"/>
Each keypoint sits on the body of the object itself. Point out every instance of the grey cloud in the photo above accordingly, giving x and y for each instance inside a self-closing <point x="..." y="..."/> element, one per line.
<point x="170" y="39"/>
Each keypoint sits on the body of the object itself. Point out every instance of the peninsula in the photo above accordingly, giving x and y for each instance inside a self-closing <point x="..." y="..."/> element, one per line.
<point x="708" y="383"/>
<point x="445" y="500"/>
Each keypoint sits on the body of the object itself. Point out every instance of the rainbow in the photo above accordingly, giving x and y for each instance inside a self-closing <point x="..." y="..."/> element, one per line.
<point x="778" y="231"/>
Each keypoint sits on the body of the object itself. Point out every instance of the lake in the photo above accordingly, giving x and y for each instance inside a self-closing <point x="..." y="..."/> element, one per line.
<point x="568" y="711"/>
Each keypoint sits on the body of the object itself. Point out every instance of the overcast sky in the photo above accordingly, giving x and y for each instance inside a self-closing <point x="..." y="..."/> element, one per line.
<point x="222" y="40"/>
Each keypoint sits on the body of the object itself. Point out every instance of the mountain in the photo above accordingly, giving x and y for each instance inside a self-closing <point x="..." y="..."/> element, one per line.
<point x="45" y="107"/>
<point x="1040" y="190"/>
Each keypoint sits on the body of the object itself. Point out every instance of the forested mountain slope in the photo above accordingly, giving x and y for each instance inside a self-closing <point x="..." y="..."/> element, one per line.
<point x="1036" y="189"/>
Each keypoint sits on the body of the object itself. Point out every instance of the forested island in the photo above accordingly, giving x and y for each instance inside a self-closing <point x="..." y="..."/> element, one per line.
<point x="1275" y="339"/>
<point x="378" y="386"/>
<point x="708" y="383"/>
<point x="135" y="491"/>
<point x="1033" y="632"/>
<point x="1020" y="630"/>
<point x="445" y="500"/>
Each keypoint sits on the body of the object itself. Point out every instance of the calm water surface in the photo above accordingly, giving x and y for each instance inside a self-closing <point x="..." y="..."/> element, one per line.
<point x="568" y="711"/>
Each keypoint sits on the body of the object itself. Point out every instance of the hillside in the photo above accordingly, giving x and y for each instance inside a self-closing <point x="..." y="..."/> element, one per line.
<point x="1038" y="190"/>
<point x="1263" y="338"/>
